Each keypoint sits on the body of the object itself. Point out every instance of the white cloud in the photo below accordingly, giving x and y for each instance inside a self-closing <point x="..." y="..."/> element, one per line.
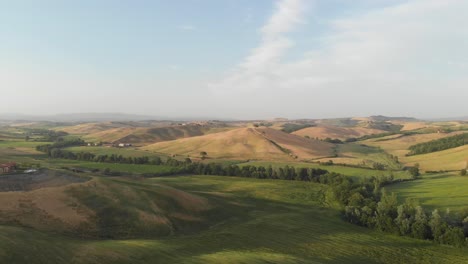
<point x="256" y="68"/>
<point x="392" y="56"/>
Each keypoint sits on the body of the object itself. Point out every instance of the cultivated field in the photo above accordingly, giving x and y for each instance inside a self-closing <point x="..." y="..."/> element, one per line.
<point x="342" y="133"/>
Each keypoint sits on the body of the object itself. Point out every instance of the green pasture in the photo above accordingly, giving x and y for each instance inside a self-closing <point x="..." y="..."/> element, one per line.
<point x="435" y="191"/>
<point x="263" y="221"/>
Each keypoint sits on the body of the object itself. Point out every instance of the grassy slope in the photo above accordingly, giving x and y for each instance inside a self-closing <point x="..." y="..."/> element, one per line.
<point x="267" y="223"/>
<point x="19" y="151"/>
<point x="144" y="135"/>
<point x="246" y="143"/>
<point x="450" y="159"/>
<point x="130" y="168"/>
<point x="241" y="143"/>
<point x="298" y="146"/>
<point x="126" y="152"/>
<point x="437" y="191"/>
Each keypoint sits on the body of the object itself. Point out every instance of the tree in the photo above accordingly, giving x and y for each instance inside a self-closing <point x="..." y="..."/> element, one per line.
<point x="414" y="171"/>
<point x="386" y="212"/>
<point x="437" y="226"/>
<point x="420" y="228"/>
<point x="203" y="155"/>
<point x="405" y="218"/>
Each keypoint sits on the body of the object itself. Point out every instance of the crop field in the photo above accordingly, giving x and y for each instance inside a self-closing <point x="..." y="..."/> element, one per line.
<point x="265" y="222"/>
<point x="450" y="159"/>
<point x="399" y="146"/>
<point x="342" y="133"/>
<point x="436" y="191"/>
<point x="20" y="151"/>
<point x="358" y="154"/>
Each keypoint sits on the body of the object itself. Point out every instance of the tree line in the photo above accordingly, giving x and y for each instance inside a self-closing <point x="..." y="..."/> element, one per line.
<point x="60" y="143"/>
<point x="439" y="144"/>
<point x="366" y="203"/>
<point x="186" y="165"/>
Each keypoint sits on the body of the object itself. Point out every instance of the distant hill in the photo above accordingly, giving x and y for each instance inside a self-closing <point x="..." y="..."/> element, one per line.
<point x="342" y="133"/>
<point x="247" y="143"/>
<point x="392" y="118"/>
<point x="80" y="117"/>
<point x="146" y="135"/>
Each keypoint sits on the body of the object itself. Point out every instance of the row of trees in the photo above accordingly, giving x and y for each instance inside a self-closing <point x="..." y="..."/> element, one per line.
<point x="367" y="204"/>
<point x="61" y="143"/>
<point x="439" y="144"/>
<point x="260" y="172"/>
<point x="187" y="166"/>
<point x="43" y="135"/>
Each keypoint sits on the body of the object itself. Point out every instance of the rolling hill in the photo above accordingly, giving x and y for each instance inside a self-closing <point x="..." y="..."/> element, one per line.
<point x="263" y="221"/>
<point x="247" y="143"/>
<point x="342" y="133"/>
<point x="450" y="159"/>
<point x="104" y="208"/>
<point x="145" y="135"/>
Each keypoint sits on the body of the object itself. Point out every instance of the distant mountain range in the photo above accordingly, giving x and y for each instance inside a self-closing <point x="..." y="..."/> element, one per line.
<point x="79" y="117"/>
<point x="462" y="118"/>
<point x="102" y="117"/>
<point x="98" y="117"/>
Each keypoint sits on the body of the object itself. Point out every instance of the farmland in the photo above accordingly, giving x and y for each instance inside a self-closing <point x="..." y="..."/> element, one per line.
<point x="92" y="217"/>
<point x="266" y="222"/>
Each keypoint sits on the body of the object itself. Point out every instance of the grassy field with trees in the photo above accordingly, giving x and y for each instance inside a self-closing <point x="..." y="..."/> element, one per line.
<point x="264" y="222"/>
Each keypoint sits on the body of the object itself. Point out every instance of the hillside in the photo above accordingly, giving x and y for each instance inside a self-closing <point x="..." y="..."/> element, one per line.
<point x="247" y="143"/>
<point x="264" y="221"/>
<point x="89" y="128"/>
<point x="144" y="135"/>
<point x="398" y="145"/>
<point x="450" y="159"/>
<point x="342" y="133"/>
<point x="110" y="208"/>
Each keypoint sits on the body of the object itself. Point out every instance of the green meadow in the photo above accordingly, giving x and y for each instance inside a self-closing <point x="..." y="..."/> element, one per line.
<point x="436" y="191"/>
<point x="126" y="152"/>
<point x="263" y="222"/>
<point x="125" y="168"/>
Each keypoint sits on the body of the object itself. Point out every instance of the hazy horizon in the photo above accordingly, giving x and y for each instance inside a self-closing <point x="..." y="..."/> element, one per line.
<point x="235" y="59"/>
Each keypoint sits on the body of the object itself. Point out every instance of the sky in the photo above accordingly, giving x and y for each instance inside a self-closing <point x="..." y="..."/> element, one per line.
<point x="239" y="59"/>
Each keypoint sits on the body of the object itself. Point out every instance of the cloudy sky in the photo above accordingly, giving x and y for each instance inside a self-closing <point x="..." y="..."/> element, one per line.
<point x="235" y="58"/>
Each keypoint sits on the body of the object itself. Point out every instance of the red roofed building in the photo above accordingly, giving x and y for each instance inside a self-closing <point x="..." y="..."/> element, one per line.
<point x="7" y="167"/>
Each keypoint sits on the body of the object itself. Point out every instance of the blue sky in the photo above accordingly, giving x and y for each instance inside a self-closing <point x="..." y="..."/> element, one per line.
<point x="235" y="58"/>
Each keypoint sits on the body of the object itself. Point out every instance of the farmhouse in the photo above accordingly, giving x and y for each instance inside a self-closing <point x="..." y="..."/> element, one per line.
<point x="7" y="167"/>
